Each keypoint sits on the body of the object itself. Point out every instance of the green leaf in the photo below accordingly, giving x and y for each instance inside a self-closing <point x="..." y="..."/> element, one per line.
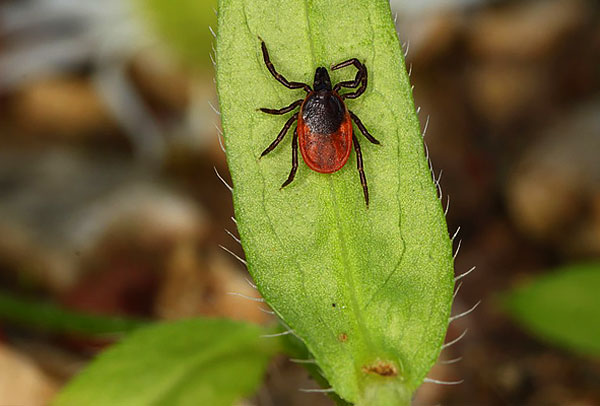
<point x="192" y="362"/>
<point x="366" y="289"/>
<point x="562" y="307"/>
<point x="184" y="24"/>
<point x="48" y="316"/>
<point x="295" y="348"/>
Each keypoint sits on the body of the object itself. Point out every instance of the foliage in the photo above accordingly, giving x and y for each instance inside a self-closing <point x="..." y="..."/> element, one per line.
<point x="191" y="362"/>
<point x="48" y="316"/>
<point x="562" y="307"/>
<point x="184" y="24"/>
<point x="368" y="290"/>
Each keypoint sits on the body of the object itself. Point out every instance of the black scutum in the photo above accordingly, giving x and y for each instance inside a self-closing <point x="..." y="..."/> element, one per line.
<point x="323" y="112"/>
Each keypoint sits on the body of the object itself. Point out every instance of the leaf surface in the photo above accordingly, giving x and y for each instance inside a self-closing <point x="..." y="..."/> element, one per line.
<point x="193" y="362"/>
<point x="562" y="307"/>
<point x="368" y="290"/>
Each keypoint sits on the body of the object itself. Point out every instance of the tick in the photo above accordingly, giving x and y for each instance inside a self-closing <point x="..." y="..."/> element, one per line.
<point x="324" y="129"/>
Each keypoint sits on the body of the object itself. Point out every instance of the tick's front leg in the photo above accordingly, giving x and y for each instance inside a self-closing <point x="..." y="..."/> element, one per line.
<point x="279" y="76"/>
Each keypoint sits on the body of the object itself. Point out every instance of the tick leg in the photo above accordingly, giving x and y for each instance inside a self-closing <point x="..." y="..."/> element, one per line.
<point x="359" y="74"/>
<point x="282" y="133"/>
<point x="294" y="160"/>
<point x="279" y="76"/>
<point x="361" y="79"/>
<point x="352" y="61"/>
<point x="283" y="110"/>
<point x="363" y="129"/>
<point x="361" y="171"/>
<point x="359" y="91"/>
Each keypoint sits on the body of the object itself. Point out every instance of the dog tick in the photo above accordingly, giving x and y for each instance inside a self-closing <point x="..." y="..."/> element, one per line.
<point x="324" y="129"/>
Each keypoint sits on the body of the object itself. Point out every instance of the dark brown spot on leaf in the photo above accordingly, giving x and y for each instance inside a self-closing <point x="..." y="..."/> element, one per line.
<point x="381" y="368"/>
<point x="343" y="337"/>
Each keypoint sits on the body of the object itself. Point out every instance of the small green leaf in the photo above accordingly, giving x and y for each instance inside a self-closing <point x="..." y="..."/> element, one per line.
<point x="562" y="307"/>
<point x="369" y="290"/>
<point x="48" y="316"/>
<point x="193" y="362"/>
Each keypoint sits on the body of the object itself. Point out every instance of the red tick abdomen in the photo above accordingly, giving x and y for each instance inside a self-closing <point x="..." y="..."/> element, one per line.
<point x="325" y="153"/>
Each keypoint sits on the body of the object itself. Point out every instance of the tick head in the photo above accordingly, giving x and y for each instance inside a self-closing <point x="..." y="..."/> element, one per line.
<point x="322" y="80"/>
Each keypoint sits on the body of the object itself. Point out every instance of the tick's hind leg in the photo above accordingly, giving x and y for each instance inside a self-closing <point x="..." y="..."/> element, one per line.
<point x="361" y="171"/>
<point x="362" y="128"/>
<point x="283" y="110"/>
<point x="294" y="160"/>
<point x="279" y="76"/>
<point x="282" y="133"/>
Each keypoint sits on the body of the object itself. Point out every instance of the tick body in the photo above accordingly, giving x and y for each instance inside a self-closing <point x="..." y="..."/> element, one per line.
<point x="324" y="130"/>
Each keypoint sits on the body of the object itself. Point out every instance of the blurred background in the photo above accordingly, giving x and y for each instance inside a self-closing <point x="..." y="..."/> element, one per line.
<point x="110" y="205"/>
